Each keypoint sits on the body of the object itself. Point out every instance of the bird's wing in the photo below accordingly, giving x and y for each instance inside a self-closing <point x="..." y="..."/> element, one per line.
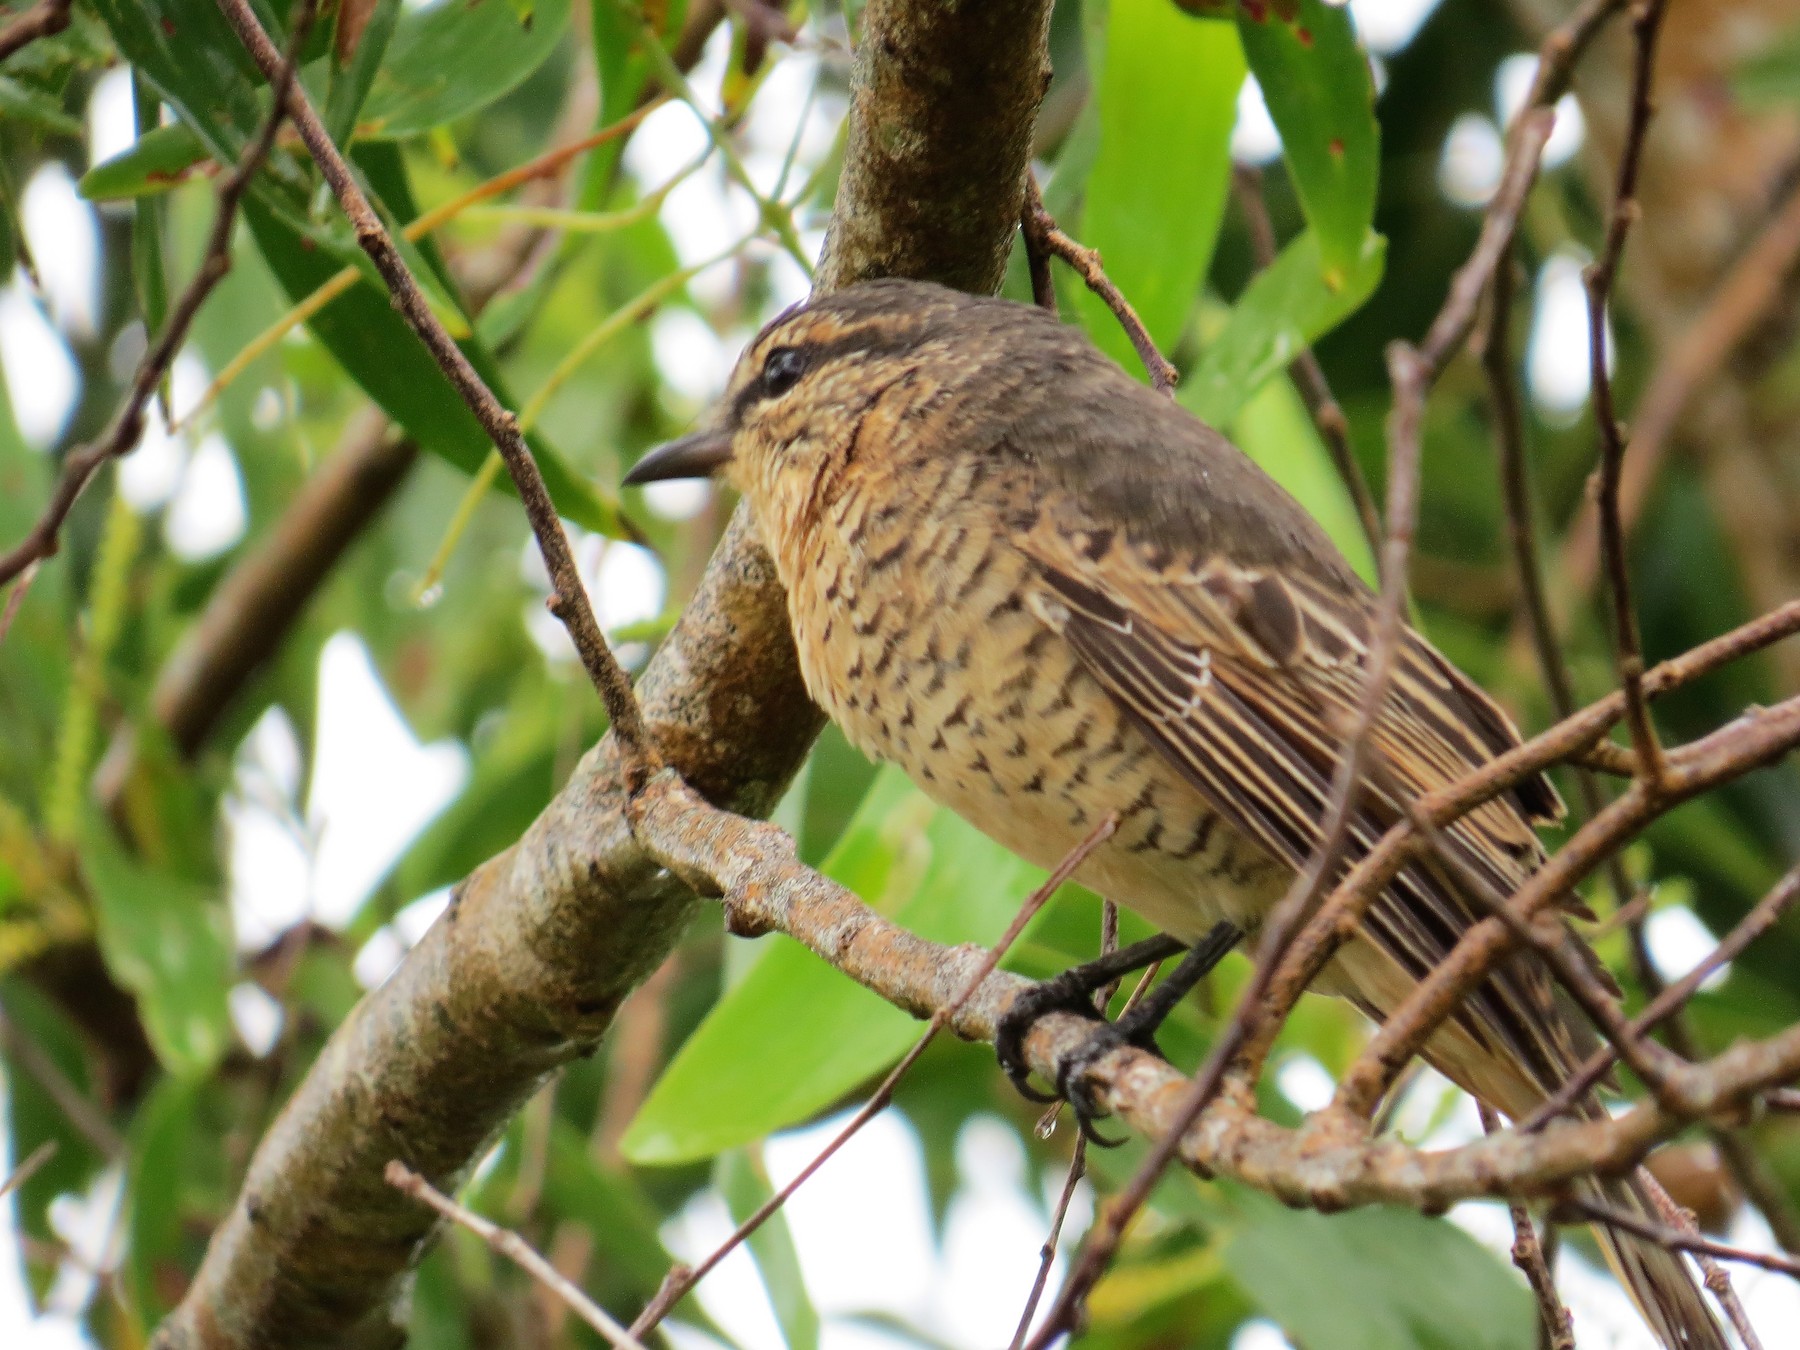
<point x="1246" y="680"/>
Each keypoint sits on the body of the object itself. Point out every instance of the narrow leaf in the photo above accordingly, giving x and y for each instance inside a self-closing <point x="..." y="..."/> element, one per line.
<point x="1167" y="89"/>
<point x="1316" y="81"/>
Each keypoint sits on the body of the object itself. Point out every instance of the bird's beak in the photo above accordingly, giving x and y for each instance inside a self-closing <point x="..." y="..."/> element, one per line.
<point x="693" y="456"/>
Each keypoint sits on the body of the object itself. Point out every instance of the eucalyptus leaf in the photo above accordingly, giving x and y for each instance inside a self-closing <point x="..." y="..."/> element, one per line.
<point x="1166" y="87"/>
<point x="168" y="941"/>
<point x="1287" y="306"/>
<point x="1315" y="79"/>
<point x="452" y="58"/>
<point x="1376" y="1279"/>
<point x="160" y="159"/>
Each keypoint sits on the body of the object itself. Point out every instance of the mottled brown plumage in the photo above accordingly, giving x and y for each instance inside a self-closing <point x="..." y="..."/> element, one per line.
<point x="1049" y="594"/>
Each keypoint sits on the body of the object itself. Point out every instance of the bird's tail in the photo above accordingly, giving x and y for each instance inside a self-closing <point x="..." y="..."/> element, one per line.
<point x="1660" y="1281"/>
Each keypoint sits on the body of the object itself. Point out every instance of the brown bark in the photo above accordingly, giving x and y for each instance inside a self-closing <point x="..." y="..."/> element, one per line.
<point x="544" y="942"/>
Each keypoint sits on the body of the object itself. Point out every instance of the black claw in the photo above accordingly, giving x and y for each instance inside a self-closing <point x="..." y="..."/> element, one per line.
<point x="1072" y="1081"/>
<point x="1073" y="991"/>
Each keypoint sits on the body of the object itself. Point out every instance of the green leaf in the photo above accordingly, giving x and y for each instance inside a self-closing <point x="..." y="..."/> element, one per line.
<point x="1772" y="75"/>
<point x="160" y="159"/>
<point x="1287" y="306"/>
<point x="1316" y="81"/>
<point x="795" y="1035"/>
<point x="186" y="49"/>
<point x="741" y="1180"/>
<point x="1166" y="89"/>
<point x="352" y="80"/>
<point x="162" y="1144"/>
<point x="20" y="102"/>
<point x="149" y="275"/>
<point x="1376" y="1279"/>
<point x="33" y="1115"/>
<point x="168" y="941"/>
<point x="455" y="57"/>
<point x="373" y="343"/>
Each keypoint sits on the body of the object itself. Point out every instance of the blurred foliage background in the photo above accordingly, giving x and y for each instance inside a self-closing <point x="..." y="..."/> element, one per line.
<point x="225" y="810"/>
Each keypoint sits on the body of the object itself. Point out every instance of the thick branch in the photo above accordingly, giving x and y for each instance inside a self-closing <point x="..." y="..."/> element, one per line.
<point x="545" y="941"/>
<point x="1328" y="1163"/>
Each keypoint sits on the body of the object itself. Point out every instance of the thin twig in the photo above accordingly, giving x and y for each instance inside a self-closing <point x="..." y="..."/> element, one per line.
<point x="1717" y="1278"/>
<point x="1037" y="253"/>
<point x="568" y="600"/>
<point x="15" y="599"/>
<point x="1329" y="1162"/>
<point x="1529" y="1256"/>
<point x="1043" y="237"/>
<point x="515" y="1249"/>
<point x="1758" y="737"/>
<point x="43" y="19"/>
<point x="682" y="1278"/>
<point x="1306" y="372"/>
<point x="1646" y="22"/>
<point x="1047" y="1253"/>
<point x="1740" y="303"/>
<point x="1596" y="1211"/>
<point x="121" y="436"/>
<point x="78" y="1108"/>
<point x="1672" y="998"/>
<point x="34" y="1161"/>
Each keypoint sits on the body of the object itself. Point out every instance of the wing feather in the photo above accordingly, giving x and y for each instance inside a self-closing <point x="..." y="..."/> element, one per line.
<point x="1244" y="681"/>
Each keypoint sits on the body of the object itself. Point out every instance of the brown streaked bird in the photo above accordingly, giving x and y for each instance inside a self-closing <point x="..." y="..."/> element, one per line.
<point x="1049" y="594"/>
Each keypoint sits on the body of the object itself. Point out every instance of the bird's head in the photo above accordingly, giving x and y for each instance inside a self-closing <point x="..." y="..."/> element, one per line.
<point x="803" y="388"/>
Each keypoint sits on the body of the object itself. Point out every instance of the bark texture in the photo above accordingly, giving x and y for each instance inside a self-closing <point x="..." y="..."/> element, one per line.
<point x="543" y="943"/>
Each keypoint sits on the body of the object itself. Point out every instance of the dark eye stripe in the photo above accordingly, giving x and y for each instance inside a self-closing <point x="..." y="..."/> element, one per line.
<point x="861" y="344"/>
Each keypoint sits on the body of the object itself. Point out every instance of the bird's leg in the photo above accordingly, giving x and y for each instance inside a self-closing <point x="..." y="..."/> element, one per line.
<point x="1138" y="1025"/>
<point x="1070" y="992"/>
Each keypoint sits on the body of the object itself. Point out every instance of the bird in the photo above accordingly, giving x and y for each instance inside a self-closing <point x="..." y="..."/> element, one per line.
<point x="1054" y="597"/>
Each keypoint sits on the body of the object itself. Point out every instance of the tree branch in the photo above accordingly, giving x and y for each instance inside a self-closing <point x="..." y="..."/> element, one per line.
<point x="545" y="941"/>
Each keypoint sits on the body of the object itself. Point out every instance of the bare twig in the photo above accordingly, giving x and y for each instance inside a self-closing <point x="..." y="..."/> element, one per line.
<point x="1757" y="738"/>
<point x="1671" y="999"/>
<point x="1740" y="302"/>
<point x="27" y="1169"/>
<point x="1037" y="253"/>
<point x="43" y="19"/>
<point x="683" y="1278"/>
<point x="568" y="601"/>
<point x="78" y="1109"/>
<point x="515" y="1249"/>
<point x="1717" y="1278"/>
<point x="121" y="436"/>
<point x="1047" y="1253"/>
<point x="1330" y="1162"/>
<point x="1596" y="1211"/>
<point x="1308" y="375"/>
<point x="1043" y="238"/>
<point x="1529" y="1256"/>
<point x="1646" y="22"/>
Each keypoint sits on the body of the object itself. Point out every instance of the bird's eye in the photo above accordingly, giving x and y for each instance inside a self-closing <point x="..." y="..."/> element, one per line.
<point x="782" y="369"/>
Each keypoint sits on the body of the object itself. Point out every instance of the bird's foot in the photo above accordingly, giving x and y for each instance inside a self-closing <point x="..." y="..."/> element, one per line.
<point x="1073" y="990"/>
